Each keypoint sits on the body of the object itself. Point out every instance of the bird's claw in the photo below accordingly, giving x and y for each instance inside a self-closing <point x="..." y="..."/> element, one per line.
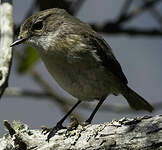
<point x="85" y="123"/>
<point x="54" y="130"/>
<point x="45" y="130"/>
<point x="73" y="123"/>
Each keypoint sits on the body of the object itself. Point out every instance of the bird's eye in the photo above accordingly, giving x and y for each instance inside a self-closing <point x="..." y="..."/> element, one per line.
<point x="38" y="26"/>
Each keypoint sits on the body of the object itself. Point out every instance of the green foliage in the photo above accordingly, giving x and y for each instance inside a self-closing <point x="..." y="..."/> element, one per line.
<point x="30" y="58"/>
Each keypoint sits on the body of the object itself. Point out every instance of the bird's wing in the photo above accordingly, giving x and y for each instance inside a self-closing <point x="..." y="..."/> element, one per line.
<point x="104" y="52"/>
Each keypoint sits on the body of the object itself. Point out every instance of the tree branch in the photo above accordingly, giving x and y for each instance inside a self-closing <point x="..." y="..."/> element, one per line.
<point x="38" y="95"/>
<point x="113" y="28"/>
<point x="6" y="38"/>
<point x="147" y="5"/>
<point x="138" y="133"/>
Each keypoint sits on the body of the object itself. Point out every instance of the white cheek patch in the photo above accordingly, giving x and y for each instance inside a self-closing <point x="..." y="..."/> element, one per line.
<point x="41" y="42"/>
<point x="44" y="42"/>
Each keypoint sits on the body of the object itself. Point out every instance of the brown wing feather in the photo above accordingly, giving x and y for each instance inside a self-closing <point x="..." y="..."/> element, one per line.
<point x="103" y="50"/>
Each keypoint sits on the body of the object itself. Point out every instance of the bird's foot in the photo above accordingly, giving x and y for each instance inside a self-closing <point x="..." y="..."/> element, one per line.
<point x="45" y="130"/>
<point x="85" y="123"/>
<point x="73" y="124"/>
<point x="52" y="131"/>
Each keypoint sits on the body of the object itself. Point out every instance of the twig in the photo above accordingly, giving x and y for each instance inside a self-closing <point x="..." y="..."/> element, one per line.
<point x="113" y="29"/>
<point x="40" y="96"/>
<point x="157" y="16"/>
<point x="137" y="11"/>
<point x="19" y="92"/>
<point x="125" y="8"/>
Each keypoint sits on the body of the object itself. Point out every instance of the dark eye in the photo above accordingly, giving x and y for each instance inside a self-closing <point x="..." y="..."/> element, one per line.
<point x="38" y="26"/>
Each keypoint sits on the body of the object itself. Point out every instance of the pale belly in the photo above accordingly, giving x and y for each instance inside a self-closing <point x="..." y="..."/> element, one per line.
<point x="83" y="82"/>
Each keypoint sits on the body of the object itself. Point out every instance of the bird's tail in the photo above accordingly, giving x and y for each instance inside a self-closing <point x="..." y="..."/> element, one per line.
<point x="136" y="101"/>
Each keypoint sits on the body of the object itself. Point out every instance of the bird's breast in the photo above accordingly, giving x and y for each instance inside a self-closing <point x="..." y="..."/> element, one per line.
<point x="81" y="78"/>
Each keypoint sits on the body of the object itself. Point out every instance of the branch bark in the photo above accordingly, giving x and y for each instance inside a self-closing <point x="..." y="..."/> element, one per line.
<point x="6" y="38"/>
<point x="138" y="133"/>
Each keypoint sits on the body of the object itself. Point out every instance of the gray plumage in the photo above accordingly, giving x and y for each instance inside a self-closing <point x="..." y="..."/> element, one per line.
<point x="77" y="57"/>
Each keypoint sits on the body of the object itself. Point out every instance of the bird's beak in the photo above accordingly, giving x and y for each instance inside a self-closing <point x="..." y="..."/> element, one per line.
<point x="19" y="41"/>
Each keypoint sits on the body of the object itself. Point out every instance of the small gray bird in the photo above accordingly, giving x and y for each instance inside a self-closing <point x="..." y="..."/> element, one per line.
<point x="78" y="58"/>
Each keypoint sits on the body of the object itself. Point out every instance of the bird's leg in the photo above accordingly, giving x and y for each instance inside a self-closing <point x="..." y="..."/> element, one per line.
<point x="59" y="124"/>
<point x="89" y="120"/>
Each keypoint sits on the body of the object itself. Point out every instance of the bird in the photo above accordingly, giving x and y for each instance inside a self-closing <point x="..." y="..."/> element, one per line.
<point x="79" y="59"/>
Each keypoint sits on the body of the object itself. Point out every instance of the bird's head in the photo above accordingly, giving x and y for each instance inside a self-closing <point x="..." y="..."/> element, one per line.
<point x="39" y="29"/>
